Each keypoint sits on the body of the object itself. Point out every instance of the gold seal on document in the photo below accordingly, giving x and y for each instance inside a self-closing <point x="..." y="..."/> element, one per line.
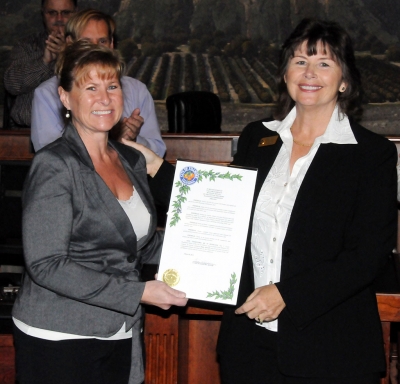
<point x="171" y="277"/>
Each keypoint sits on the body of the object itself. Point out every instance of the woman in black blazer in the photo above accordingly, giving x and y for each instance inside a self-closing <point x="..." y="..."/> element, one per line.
<point x="323" y="224"/>
<point x="326" y="193"/>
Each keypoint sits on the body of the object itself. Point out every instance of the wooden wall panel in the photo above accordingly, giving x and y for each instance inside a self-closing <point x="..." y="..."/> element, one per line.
<point x="7" y="357"/>
<point x="197" y="353"/>
<point x="15" y="145"/>
<point x="161" y="342"/>
<point x="209" y="148"/>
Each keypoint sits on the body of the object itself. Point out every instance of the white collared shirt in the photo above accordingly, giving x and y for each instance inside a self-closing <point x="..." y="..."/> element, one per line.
<point x="278" y="195"/>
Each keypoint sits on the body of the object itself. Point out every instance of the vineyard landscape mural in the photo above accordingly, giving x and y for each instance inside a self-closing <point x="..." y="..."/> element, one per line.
<point x="230" y="47"/>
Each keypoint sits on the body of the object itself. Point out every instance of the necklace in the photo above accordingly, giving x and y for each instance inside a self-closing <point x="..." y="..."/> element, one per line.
<point x="298" y="143"/>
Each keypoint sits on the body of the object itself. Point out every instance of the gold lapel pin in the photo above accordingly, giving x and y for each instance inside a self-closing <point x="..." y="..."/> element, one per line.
<point x="270" y="140"/>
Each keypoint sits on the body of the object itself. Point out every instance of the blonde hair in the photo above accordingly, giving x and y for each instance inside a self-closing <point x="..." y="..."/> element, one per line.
<point x="79" y="58"/>
<point x="78" y="22"/>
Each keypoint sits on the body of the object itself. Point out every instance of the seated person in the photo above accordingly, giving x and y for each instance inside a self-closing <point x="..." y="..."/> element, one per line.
<point x="139" y="120"/>
<point x="33" y="58"/>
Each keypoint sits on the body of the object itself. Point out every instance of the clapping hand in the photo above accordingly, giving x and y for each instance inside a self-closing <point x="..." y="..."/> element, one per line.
<point x="54" y="45"/>
<point x="131" y="125"/>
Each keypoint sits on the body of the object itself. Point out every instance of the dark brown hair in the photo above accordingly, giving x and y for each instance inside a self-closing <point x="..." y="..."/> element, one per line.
<point x="333" y="38"/>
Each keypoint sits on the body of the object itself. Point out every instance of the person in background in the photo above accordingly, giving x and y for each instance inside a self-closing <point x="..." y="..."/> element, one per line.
<point x="139" y="121"/>
<point x="323" y="226"/>
<point x="89" y="224"/>
<point x="32" y="60"/>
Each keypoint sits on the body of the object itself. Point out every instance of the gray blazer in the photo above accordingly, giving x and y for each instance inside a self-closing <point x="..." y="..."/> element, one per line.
<point x="83" y="261"/>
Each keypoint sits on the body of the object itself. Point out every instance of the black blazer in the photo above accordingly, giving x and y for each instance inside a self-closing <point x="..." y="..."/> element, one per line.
<point x="341" y="232"/>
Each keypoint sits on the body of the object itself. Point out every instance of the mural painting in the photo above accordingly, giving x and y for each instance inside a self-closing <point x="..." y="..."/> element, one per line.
<point x="229" y="47"/>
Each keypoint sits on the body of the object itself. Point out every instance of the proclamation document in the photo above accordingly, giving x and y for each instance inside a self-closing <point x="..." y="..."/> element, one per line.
<point x="206" y="230"/>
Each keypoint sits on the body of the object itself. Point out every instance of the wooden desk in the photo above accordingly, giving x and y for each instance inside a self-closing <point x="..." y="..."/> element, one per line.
<point x="180" y="347"/>
<point x="389" y="311"/>
<point x="214" y="148"/>
<point x="15" y="145"/>
<point x="7" y="360"/>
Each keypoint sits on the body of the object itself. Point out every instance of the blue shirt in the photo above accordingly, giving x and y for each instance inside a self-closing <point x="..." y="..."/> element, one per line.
<point x="47" y="122"/>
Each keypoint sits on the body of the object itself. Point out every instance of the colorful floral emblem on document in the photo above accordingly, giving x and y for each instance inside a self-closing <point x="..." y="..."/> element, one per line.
<point x="189" y="175"/>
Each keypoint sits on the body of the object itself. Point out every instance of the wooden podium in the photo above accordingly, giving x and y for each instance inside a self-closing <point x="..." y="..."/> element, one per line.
<point x="180" y="343"/>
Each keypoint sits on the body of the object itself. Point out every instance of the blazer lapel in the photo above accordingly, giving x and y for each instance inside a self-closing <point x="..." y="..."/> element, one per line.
<point x="141" y="187"/>
<point x="106" y="201"/>
<point x="330" y="164"/>
<point x="99" y="191"/>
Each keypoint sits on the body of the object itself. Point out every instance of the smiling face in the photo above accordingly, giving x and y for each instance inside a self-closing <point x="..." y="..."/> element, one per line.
<point x="95" y="101"/>
<point x="314" y="81"/>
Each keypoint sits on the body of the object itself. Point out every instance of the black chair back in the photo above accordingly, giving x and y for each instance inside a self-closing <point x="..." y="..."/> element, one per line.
<point x="8" y="122"/>
<point x="8" y="103"/>
<point x="194" y="112"/>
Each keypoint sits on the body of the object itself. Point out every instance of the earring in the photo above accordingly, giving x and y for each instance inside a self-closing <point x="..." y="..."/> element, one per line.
<point x="68" y="115"/>
<point x="343" y="89"/>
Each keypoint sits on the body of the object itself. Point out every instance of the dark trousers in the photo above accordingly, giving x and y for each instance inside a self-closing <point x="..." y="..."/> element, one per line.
<point x="262" y="368"/>
<point x="84" y="361"/>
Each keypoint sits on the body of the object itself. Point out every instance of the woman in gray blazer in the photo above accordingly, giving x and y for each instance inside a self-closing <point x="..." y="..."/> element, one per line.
<point x="89" y="224"/>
